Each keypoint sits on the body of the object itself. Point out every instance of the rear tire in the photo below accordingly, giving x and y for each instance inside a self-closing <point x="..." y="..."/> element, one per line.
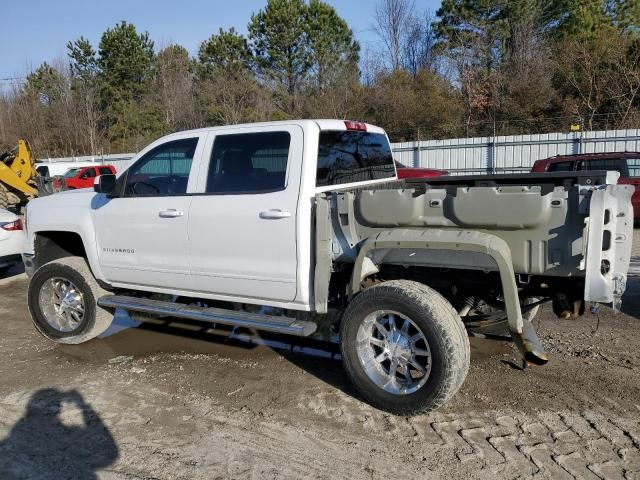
<point x="63" y="302"/>
<point x="431" y="356"/>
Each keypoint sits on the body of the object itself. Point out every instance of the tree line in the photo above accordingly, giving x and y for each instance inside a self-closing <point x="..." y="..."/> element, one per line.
<point x="475" y="67"/>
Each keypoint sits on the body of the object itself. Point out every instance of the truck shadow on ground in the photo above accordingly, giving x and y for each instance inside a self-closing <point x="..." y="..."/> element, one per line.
<point x="318" y="358"/>
<point x="49" y="442"/>
<point x="12" y="272"/>
<point x="631" y="298"/>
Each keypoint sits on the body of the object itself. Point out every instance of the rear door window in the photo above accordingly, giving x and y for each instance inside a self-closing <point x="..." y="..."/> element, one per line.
<point x="353" y="156"/>
<point x="615" y="164"/>
<point x="89" y="173"/>
<point x="561" y="167"/>
<point x="249" y="163"/>
<point x="105" y="171"/>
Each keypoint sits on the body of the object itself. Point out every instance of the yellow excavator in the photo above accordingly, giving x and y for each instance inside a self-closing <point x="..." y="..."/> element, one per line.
<point x="19" y="180"/>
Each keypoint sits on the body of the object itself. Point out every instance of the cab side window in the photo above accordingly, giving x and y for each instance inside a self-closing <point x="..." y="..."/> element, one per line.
<point x="105" y="170"/>
<point x="615" y="164"/>
<point x="249" y="163"/>
<point x="561" y="167"/>
<point x="89" y="173"/>
<point x="163" y="171"/>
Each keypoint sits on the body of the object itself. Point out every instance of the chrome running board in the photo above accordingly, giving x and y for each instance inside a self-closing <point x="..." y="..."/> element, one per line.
<point x="258" y="321"/>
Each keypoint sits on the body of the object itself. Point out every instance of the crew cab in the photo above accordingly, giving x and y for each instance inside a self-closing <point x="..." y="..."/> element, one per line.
<point x="303" y="228"/>
<point x="83" y="177"/>
<point x="626" y="163"/>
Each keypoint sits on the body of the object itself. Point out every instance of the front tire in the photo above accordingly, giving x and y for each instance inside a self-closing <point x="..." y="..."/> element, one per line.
<point x="63" y="302"/>
<point x="404" y="347"/>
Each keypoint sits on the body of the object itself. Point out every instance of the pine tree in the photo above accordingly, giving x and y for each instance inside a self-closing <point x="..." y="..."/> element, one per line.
<point x="280" y="43"/>
<point x="226" y="51"/>
<point x="333" y="50"/>
<point x="125" y="62"/>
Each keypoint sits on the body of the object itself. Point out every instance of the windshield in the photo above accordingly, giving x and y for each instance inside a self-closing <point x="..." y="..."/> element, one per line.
<point x="71" y="173"/>
<point x="349" y="156"/>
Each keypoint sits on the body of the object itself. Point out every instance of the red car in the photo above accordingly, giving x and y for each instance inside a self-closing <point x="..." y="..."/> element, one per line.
<point x="411" y="172"/>
<point x="84" y="177"/>
<point x="627" y="163"/>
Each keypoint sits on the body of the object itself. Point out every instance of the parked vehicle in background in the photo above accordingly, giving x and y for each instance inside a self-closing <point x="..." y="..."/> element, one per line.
<point x="627" y="163"/>
<point x="414" y="172"/>
<point x="57" y="169"/>
<point x="303" y="228"/>
<point x="11" y="240"/>
<point x="83" y="177"/>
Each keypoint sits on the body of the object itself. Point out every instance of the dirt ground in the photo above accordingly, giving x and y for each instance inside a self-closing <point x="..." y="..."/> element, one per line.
<point x="171" y="401"/>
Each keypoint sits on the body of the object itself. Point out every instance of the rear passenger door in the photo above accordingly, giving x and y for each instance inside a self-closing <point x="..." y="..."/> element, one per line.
<point x="242" y="225"/>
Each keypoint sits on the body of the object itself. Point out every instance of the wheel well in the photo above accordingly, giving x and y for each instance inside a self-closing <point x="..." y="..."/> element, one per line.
<point x="447" y="281"/>
<point x="54" y="245"/>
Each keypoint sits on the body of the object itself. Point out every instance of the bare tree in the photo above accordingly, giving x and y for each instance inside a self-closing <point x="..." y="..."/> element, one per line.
<point x="173" y="88"/>
<point x="372" y="65"/>
<point x="626" y="93"/>
<point x="391" y="22"/>
<point x="418" y="44"/>
<point x="232" y="97"/>
<point x="597" y="77"/>
<point x="522" y="86"/>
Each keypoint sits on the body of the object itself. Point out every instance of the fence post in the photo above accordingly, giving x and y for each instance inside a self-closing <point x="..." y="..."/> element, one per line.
<point x="577" y="143"/>
<point x="491" y="147"/>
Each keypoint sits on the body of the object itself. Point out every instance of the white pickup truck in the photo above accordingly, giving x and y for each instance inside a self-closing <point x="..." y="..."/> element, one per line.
<point x="302" y="227"/>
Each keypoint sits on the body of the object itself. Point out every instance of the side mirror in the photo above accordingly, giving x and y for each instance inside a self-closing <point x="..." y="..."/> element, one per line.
<point x="105" y="184"/>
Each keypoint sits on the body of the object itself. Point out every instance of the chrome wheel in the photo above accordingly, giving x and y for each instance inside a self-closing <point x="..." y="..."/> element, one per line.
<point x="62" y="304"/>
<point x="394" y="352"/>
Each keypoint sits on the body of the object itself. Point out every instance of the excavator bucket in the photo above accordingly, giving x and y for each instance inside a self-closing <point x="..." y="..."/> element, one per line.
<point x="17" y="176"/>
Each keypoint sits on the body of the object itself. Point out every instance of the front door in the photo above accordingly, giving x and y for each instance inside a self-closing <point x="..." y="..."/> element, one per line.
<point x="142" y="235"/>
<point x="242" y="226"/>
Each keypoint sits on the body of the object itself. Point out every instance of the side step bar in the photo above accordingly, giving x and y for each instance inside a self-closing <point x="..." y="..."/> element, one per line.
<point x="258" y="321"/>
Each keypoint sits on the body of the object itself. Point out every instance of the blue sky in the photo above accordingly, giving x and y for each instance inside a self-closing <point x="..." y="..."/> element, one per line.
<point x="34" y="31"/>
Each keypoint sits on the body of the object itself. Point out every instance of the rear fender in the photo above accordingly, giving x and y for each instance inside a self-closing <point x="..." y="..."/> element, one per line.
<point x="454" y="240"/>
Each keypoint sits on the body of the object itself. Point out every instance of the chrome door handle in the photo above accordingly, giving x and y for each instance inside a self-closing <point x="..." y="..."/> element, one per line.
<point x="171" y="213"/>
<point x="274" y="214"/>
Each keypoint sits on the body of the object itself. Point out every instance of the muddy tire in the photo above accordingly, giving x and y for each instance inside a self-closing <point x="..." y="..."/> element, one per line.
<point x="404" y="347"/>
<point x="63" y="302"/>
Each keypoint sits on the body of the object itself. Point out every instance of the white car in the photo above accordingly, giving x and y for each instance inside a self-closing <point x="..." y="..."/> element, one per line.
<point x="11" y="239"/>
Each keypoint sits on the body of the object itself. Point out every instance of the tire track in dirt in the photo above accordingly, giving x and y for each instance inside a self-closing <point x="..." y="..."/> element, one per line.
<point x="562" y="444"/>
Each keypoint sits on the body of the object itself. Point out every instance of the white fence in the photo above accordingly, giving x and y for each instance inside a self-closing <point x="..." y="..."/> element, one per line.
<point x="510" y="154"/>
<point x="120" y="161"/>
